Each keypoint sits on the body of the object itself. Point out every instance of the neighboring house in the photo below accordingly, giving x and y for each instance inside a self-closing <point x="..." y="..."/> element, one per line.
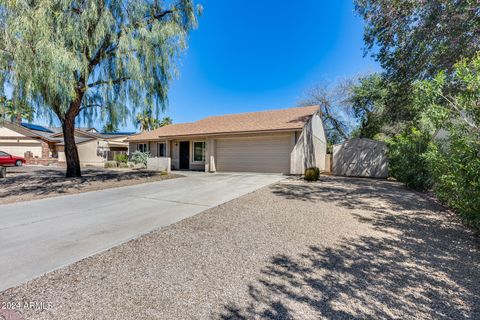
<point x="278" y="141"/>
<point x="18" y="139"/>
<point x="47" y="145"/>
<point x="95" y="148"/>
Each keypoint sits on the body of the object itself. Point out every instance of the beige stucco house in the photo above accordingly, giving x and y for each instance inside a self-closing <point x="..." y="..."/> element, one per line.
<point x="277" y="141"/>
<point x="17" y="140"/>
<point x="94" y="148"/>
<point x="45" y="145"/>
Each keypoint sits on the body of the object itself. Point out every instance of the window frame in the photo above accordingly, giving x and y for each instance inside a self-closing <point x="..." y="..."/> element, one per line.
<point x="204" y="151"/>
<point x="146" y="150"/>
<point x="164" y="149"/>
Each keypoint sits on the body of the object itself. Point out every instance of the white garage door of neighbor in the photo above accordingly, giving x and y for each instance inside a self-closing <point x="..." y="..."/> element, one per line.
<point x="20" y="150"/>
<point x="270" y="154"/>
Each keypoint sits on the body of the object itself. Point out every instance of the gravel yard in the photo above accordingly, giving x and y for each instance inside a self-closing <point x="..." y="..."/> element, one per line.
<point x="36" y="182"/>
<point x="337" y="248"/>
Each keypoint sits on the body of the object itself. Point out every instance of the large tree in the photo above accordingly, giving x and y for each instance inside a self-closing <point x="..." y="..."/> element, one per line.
<point x="165" y="122"/>
<point x="146" y="121"/>
<point x="91" y="58"/>
<point x="335" y="108"/>
<point x="414" y="40"/>
<point x="14" y="112"/>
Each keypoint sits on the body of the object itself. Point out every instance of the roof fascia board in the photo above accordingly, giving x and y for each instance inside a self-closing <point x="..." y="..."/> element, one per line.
<point x="22" y="130"/>
<point x="190" y="136"/>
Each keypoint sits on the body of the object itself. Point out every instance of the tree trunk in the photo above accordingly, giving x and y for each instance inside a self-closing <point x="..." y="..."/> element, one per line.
<point x="71" y="152"/>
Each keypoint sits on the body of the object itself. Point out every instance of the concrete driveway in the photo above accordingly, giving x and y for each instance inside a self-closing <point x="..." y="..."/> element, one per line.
<point x="39" y="236"/>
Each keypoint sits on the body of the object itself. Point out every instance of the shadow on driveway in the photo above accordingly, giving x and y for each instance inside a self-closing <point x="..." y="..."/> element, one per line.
<point x="421" y="262"/>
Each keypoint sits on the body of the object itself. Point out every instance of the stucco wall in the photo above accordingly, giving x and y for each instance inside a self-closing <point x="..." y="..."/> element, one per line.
<point x="210" y="165"/>
<point x="18" y="144"/>
<point x="319" y="141"/>
<point x="360" y="158"/>
<point x="175" y="155"/>
<point x="311" y="147"/>
<point x="87" y="152"/>
<point x="159" y="164"/>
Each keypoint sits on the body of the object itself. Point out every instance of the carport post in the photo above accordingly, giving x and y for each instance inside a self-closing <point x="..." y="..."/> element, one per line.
<point x="3" y="172"/>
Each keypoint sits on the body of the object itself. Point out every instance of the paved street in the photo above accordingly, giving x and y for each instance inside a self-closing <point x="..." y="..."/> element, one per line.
<point x="43" y="235"/>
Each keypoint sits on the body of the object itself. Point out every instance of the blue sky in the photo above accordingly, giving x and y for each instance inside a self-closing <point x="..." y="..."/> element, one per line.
<point x="255" y="55"/>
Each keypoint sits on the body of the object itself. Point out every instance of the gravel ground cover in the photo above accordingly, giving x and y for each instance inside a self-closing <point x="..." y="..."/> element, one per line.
<point x="339" y="248"/>
<point x="36" y="182"/>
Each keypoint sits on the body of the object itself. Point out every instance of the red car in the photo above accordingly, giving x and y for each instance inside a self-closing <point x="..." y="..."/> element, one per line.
<point x="9" y="160"/>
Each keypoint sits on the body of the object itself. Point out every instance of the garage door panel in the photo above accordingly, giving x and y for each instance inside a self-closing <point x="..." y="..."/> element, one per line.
<point x="19" y="150"/>
<point x="270" y="154"/>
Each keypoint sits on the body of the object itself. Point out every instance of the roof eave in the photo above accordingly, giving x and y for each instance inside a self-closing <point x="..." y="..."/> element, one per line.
<point x="25" y="131"/>
<point x="212" y="134"/>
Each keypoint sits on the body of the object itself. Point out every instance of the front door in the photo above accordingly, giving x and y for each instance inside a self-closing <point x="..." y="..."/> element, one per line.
<point x="185" y="155"/>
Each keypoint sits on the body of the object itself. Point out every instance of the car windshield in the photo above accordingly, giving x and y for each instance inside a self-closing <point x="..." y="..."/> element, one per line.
<point x="3" y="154"/>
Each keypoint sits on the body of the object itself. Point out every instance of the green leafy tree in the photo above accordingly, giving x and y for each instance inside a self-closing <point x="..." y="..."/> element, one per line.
<point x="15" y="112"/>
<point x="91" y="58"/>
<point x="110" y="127"/>
<point x="414" y="40"/>
<point x="442" y="149"/>
<point x="432" y="101"/>
<point x="417" y="39"/>
<point x="368" y="97"/>
<point x="146" y="121"/>
<point x="452" y="117"/>
<point x="165" y="121"/>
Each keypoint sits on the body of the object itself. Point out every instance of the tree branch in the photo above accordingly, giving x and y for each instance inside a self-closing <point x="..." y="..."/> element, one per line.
<point x="109" y="46"/>
<point x="162" y="14"/>
<point x="101" y="82"/>
<point x="94" y="105"/>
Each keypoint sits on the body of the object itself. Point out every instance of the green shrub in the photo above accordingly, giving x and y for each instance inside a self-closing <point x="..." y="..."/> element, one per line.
<point x="406" y="159"/>
<point x="139" y="157"/>
<point x="111" y="164"/>
<point x="452" y="159"/>
<point x="121" y="158"/>
<point x="312" y="174"/>
<point x="455" y="168"/>
<point x="123" y="165"/>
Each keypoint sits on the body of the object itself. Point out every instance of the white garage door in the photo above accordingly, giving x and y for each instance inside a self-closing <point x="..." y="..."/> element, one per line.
<point x="266" y="154"/>
<point x="19" y="150"/>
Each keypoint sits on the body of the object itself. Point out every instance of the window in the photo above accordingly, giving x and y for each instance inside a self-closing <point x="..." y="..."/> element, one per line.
<point x="162" y="149"/>
<point x="199" y="151"/>
<point x="142" y="147"/>
<point x="4" y="154"/>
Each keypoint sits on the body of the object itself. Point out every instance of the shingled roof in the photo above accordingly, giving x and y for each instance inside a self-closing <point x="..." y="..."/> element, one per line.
<point x="271" y="120"/>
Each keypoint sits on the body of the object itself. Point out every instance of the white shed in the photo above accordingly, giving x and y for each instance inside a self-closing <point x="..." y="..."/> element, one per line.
<point x="360" y="157"/>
